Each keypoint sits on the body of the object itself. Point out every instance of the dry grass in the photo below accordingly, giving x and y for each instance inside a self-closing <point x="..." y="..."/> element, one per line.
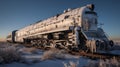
<point x="104" y="63"/>
<point x="8" y="54"/>
<point x="71" y="64"/>
<point x="27" y="50"/>
<point x="53" y="54"/>
<point x="4" y="44"/>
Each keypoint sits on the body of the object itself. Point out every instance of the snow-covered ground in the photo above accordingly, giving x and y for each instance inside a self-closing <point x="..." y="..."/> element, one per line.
<point x="32" y="57"/>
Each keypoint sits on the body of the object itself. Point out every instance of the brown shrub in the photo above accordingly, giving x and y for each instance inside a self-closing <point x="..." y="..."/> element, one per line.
<point x="71" y="64"/>
<point x="9" y="54"/>
<point x="104" y="63"/>
<point x="53" y="53"/>
<point x="28" y="50"/>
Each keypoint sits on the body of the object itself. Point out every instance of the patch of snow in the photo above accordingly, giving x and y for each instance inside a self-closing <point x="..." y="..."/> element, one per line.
<point x="32" y="58"/>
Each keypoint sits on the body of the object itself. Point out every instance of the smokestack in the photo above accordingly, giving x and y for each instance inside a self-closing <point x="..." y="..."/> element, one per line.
<point x="91" y="6"/>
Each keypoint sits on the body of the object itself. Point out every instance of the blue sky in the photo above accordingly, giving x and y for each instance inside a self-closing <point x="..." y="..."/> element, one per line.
<point x="16" y="14"/>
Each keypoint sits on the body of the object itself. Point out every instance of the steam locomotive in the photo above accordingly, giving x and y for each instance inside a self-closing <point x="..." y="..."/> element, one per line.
<point x="73" y="29"/>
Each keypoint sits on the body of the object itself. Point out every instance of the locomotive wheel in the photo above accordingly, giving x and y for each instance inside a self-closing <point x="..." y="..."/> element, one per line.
<point x="69" y="47"/>
<point x="101" y="46"/>
<point x="51" y="43"/>
<point x="43" y="43"/>
<point x="97" y="43"/>
<point x="57" y="46"/>
<point x="85" y="49"/>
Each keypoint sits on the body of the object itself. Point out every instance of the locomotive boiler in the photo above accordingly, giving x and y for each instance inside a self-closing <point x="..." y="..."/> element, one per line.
<point x="73" y="29"/>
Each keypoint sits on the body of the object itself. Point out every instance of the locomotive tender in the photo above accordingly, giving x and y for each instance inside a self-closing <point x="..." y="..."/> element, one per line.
<point x="73" y="29"/>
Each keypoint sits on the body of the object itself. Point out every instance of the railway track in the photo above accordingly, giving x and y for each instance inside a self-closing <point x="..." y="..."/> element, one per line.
<point x="90" y="55"/>
<point x="96" y="55"/>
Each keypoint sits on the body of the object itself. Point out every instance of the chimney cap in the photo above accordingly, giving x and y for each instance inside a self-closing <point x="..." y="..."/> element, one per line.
<point x="91" y="6"/>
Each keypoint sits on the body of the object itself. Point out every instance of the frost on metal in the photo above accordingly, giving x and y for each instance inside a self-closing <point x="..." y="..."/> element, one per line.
<point x="75" y="28"/>
<point x="60" y="21"/>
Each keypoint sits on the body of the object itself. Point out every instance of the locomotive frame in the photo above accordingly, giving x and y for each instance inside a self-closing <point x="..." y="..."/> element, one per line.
<point x="73" y="29"/>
